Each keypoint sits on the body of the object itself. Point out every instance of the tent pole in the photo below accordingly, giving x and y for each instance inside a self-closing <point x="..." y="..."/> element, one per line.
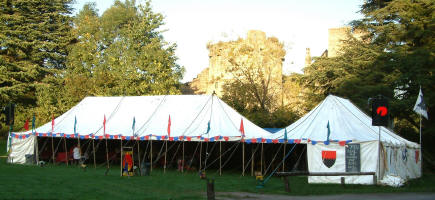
<point x="151" y="154"/>
<point x="121" y="157"/>
<point x="261" y="156"/>
<point x="243" y="159"/>
<point x="80" y="148"/>
<point x="421" y="151"/>
<point x="52" y="147"/>
<point x="379" y="155"/>
<point x="138" y="154"/>
<point x="37" y="150"/>
<point x="93" y="146"/>
<point x="220" y="158"/>
<point x="182" y="161"/>
<point x="283" y="156"/>
<point x="166" y="151"/>
<point x="252" y="160"/>
<point x="200" y="152"/>
<point x="107" y="153"/>
<point x="66" y="152"/>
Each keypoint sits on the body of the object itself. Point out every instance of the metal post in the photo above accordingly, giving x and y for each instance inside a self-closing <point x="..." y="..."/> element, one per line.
<point x="379" y="154"/>
<point x="421" y="151"/>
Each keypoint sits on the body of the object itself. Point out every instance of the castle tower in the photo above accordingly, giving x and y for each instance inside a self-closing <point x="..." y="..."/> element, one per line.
<point x="307" y="57"/>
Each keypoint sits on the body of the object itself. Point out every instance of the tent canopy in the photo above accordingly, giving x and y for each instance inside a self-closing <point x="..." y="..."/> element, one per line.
<point x="346" y="122"/>
<point x="192" y="116"/>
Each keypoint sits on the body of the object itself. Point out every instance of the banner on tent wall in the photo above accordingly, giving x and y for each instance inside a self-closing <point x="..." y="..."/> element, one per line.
<point x="353" y="158"/>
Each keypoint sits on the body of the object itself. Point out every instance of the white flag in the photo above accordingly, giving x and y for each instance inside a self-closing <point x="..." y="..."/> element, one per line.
<point x="420" y="105"/>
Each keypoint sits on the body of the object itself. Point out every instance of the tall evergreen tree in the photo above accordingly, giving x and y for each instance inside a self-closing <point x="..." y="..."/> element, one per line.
<point x="34" y="35"/>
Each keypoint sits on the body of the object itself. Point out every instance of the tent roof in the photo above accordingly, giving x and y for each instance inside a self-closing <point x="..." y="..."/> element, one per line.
<point x="346" y="121"/>
<point x="189" y="115"/>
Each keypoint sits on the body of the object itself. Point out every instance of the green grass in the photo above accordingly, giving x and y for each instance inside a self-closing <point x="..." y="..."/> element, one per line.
<point x="61" y="182"/>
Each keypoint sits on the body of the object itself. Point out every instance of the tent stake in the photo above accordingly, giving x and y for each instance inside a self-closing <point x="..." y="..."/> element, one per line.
<point x="243" y="158"/>
<point x="66" y="152"/>
<point x="220" y="158"/>
<point x="93" y="146"/>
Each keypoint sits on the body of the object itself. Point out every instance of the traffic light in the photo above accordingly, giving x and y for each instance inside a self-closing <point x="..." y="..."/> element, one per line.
<point x="380" y="112"/>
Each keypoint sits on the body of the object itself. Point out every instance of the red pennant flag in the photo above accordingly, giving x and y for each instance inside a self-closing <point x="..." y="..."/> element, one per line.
<point x="104" y="126"/>
<point x="26" y="125"/>
<point x="52" y="124"/>
<point x="226" y="138"/>
<point x="169" y="126"/>
<point x="242" y="128"/>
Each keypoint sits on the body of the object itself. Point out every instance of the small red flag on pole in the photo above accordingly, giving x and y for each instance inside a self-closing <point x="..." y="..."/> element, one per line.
<point x="104" y="126"/>
<point x="52" y="123"/>
<point x="26" y="125"/>
<point x="242" y="128"/>
<point x="169" y="126"/>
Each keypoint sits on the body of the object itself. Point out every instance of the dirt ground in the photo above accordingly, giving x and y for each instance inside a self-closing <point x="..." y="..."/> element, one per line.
<point x="389" y="196"/>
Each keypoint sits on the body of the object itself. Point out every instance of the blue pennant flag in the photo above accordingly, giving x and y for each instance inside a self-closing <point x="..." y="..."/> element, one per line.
<point x="75" y="125"/>
<point x="208" y="127"/>
<point x="134" y="123"/>
<point x="285" y="134"/>
<point x="329" y="131"/>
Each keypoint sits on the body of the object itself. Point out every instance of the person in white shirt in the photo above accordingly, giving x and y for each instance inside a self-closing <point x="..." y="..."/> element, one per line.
<point x="76" y="154"/>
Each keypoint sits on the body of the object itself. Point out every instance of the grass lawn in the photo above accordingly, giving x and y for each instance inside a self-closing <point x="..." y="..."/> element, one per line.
<point x="61" y="182"/>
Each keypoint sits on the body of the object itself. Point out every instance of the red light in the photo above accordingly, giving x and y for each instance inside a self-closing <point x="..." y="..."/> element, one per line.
<point x="382" y="111"/>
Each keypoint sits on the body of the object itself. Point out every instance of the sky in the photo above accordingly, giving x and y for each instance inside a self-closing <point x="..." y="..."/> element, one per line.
<point x="299" y="24"/>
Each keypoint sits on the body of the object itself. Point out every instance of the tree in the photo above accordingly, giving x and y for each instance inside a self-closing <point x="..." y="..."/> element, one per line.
<point x="122" y="53"/>
<point x="257" y="74"/>
<point x="34" y="36"/>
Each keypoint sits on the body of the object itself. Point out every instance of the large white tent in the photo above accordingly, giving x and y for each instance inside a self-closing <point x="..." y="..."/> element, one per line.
<point x="169" y="117"/>
<point x="349" y="127"/>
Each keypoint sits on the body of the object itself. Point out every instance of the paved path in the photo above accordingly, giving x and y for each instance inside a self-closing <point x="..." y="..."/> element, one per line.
<point x="380" y="196"/>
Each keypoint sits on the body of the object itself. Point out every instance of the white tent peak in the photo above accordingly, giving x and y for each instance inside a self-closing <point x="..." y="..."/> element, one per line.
<point x="190" y="115"/>
<point x="346" y="121"/>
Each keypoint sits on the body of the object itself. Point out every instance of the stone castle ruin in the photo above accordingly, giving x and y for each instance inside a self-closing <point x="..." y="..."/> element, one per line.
<point x="221" y="55"/>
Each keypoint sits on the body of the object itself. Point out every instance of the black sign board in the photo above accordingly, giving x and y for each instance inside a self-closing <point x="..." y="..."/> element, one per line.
<point x="353" y="158"/>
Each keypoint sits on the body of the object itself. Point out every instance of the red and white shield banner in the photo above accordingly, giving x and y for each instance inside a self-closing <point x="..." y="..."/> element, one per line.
<point x="328" y="158"/>
<point x="417" y="156"/>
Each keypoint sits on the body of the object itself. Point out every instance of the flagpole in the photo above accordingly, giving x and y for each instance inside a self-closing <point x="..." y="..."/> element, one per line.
<point x="121" y="157"/>
<point x="421" y="150"/>
<point x="200" y="152"/>
<point x="379" y="155"/>
<point x="166" y="151"/>
<point x="151" y="153"/>
<point x="66" y="151"/>
<point x="93" y="146"/>
<point x="243" y="158"/>
<point x="220" y="158"/>
<point x="182" y="162"/>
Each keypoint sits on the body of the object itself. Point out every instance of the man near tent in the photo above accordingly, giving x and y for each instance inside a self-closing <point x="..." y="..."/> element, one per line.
<point x="76" y="155"/>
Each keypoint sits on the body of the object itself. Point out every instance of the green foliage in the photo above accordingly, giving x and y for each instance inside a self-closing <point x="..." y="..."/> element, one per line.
<point x="49" y="61"/>
<point x="394" y="58"/>
<point x="34" y="36"/>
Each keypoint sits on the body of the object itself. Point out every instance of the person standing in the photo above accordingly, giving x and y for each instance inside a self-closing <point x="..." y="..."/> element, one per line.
<point x="76" y="154"/>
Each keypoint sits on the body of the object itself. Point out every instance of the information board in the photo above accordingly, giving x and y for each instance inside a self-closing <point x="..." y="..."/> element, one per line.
<point x="353" y="158"/>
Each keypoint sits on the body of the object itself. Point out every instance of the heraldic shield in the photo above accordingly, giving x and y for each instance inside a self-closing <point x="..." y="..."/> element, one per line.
<point x="328" y="158"/>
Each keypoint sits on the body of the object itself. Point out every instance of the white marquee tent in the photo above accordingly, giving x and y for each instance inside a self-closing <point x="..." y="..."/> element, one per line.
<point x="188" y="117"/>
<point x="350" y="127"/>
